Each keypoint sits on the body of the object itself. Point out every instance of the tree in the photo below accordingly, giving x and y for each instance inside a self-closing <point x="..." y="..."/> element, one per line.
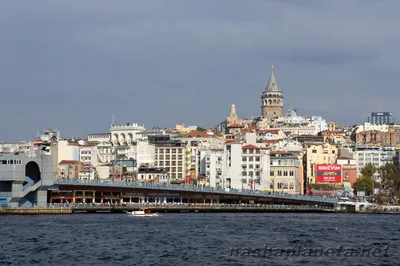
<point x="201" y="129"/>
<point x="368" y="170"/>
<point x="366" y="183"/>
<point x="390" y="178"/>
<point x="96" y="174"/>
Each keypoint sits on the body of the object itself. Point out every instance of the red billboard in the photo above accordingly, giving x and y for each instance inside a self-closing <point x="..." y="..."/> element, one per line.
<point x="329" y="173"/>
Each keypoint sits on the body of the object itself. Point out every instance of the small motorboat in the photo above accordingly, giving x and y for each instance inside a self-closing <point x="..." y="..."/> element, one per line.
<point x="143" y="212"/>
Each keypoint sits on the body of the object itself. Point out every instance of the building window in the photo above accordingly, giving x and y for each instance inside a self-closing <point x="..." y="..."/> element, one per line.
<point x="314" y="151"/>
<point x="271" y="173"/>
<point x="285" y="173"/>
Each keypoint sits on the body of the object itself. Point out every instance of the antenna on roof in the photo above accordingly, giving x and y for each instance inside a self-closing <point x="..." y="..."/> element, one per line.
<point x="113" y="119"/>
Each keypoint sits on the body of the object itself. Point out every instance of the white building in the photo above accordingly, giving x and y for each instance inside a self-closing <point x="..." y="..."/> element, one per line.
<point x="125" y="134"/>
<point x="368" y="126"/>
<point x="99" y="137"/>
<point x="195" y="142"/>
<point x="145" y="153"/>
<point x="247" y="167"/>
<point x="300" y="125"/>
<point x="87" y="155"/>
<point x="105" y="152"/>
<point x="377" y="156"/>
<point x="213" y="166"/>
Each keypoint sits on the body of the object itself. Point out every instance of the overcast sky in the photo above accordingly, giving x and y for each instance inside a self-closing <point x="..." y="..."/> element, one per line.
<point x="72" y="64"/>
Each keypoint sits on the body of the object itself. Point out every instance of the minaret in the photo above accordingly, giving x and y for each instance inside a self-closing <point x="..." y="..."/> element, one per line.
<point x="272" y="99"/>
<point x="233" y="117"/>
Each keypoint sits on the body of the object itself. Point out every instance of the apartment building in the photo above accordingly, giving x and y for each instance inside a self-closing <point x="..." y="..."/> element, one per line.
<point x="376" y="156"/>
<point x="318" y="153"/>
<point x="284" y="172"/>
<point x="213" y="167"/>
<point x="170" y="154"/>
<point x="247" y="166"/>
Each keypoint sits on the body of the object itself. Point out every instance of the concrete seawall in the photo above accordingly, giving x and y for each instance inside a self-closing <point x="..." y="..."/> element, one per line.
<point x="34" y="211"/>
<point x="205" y="209"/>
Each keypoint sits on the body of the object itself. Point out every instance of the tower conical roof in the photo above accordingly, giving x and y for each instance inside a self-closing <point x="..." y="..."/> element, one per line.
<point x="232" y="112"/>
<point x="272" y="85"/>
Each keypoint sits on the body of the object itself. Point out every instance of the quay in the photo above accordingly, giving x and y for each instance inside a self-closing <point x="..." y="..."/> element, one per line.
<point x="64" y="208"/>
<point x="185" y="208"/>
<point x="34" y="211"/>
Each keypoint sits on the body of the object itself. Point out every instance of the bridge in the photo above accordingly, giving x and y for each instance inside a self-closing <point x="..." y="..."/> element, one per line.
<point x="101" y="191"/>
<point x="27" y="179"/>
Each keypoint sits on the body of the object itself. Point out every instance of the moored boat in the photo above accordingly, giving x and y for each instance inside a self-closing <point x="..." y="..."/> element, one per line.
<point x="143" y="212"/>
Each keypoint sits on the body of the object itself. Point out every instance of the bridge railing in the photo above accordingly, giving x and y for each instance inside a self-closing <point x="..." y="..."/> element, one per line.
<point x="177" y="206"/>
<point x="195" y="189"/>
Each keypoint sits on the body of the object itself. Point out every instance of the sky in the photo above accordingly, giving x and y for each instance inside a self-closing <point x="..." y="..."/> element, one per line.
<point x="71" y="65"/>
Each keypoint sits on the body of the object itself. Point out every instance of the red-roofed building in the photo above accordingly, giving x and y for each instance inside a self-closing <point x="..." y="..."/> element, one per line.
<point x="197" y="134"/>
<point x="234" y="129"/>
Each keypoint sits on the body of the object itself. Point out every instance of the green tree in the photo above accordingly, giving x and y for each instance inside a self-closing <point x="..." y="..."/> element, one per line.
<point x="201" y="129"/>
<point x="366" y="183"/>
<point x="390" y="178"/>
<point x="368" y="170"/>
<point x="96" y="175"/>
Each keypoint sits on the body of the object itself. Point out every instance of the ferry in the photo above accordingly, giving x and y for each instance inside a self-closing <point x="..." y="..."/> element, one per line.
<point x="142" y="212"/>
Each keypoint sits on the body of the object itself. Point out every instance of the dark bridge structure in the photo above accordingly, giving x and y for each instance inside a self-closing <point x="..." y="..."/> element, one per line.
<point x="106" y="192"/>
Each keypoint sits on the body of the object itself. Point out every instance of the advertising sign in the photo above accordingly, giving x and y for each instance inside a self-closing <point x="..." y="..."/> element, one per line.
<point x="329" y="173"/>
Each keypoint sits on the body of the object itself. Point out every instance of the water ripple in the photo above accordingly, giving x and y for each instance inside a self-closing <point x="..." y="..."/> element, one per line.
<point x="191" y="239"/>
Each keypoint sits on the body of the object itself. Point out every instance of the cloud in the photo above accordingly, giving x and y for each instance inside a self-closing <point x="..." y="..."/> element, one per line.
<point x="166" y="62"/>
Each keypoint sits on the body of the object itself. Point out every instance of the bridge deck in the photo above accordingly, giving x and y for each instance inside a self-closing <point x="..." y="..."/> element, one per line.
<point x="197" y="189"/>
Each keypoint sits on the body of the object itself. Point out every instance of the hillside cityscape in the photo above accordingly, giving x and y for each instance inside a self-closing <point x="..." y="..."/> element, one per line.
<point x="276" y="151"/>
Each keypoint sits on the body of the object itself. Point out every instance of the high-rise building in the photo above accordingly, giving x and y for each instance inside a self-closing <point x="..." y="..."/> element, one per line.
<point x="379" y="118"/>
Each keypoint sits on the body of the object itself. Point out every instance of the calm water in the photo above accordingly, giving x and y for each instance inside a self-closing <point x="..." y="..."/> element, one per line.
<point x="195" y="239"/>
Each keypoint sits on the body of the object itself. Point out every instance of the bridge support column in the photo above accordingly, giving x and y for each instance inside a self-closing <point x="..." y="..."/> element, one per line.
<point x="181" y="200"/>
<point x="165" y="199"/>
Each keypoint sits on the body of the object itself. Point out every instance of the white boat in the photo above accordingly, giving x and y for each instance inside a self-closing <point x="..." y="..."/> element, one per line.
<point x="142" y="212"/>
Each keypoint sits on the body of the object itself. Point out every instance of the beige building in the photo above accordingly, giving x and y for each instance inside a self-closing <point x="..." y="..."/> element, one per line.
<point x="171" y="155"/>
<point x="284" y="172"/>
<point x="272" y="99"/>
<point x="318" y="153"/>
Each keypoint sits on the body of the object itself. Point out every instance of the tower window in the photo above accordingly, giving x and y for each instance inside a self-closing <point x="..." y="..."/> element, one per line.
<point x="273" y="84"/>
